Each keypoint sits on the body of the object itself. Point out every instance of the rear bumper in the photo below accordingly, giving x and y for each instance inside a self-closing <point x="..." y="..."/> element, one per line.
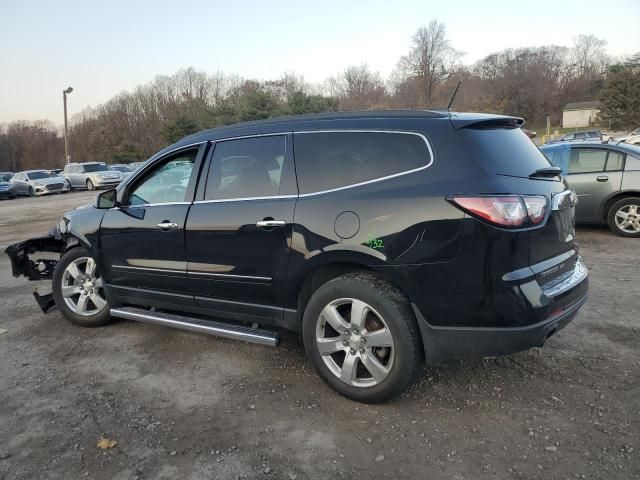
<point x="558" y="302"/>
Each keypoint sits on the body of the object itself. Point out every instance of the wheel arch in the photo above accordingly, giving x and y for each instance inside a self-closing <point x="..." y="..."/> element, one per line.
<point x="328" y="266"/>
<point x="613" y="198"/>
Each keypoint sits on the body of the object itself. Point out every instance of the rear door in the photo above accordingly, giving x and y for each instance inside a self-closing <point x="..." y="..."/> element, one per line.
<point x="594" y="173"/>
<point x="238" y="231"/>
<point x="142" y="241"/>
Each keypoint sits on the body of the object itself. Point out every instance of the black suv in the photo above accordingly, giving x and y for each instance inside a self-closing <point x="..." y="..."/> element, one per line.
<point x="382" y="237"/>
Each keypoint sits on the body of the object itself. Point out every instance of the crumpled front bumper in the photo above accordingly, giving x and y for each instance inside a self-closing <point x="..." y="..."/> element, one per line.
<point x="38" y="269"/>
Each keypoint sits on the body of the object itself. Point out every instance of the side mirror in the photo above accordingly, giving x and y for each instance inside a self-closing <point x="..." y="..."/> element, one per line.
<point x="106" y="200"/>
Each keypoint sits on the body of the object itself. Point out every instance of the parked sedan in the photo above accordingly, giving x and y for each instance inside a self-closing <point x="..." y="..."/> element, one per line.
<point x="7" y="189"/>
<point x="38" y="182"/>
<point x="586" y="135"/>
<point x="606" y="178"/>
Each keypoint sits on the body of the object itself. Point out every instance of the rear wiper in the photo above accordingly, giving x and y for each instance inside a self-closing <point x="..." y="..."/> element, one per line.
<point x="546" y="172"/>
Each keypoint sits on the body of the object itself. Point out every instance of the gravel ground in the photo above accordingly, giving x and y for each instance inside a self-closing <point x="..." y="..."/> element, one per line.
<point x="183" y="405"/>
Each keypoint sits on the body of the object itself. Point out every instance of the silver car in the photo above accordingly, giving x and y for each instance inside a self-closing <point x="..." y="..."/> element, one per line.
<point x="38" y="182"/>
<point x="606" y="178"/>
<point x="91" y="175"/>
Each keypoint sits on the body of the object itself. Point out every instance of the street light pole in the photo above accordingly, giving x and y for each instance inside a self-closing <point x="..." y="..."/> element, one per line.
<point x="66" y="142"/>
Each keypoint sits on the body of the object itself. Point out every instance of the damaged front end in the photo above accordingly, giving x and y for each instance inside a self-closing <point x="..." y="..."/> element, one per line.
<point x="23" y="262"/>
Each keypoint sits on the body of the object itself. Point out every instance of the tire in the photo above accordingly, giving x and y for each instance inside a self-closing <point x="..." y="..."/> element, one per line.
<point x="95" y="314"/>
<point x="68" y="184"/>
<point x="388" y="312"/>
<point x="629" y="206"/>
<point x="90" y="185"/>
<point x="32" y="192"/>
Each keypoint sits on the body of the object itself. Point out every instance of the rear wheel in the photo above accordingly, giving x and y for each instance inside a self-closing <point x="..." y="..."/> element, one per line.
<point x="90" y="185"/>
<point x="361" y="338"/>
<point x="624" y="217"/>
<point x="78" y="289"/>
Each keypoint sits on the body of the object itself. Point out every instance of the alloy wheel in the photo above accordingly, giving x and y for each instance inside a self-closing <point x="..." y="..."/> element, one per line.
<point x="355" y="342"/>
<point x="628" y="219"/>
<point x="82" y="289"/>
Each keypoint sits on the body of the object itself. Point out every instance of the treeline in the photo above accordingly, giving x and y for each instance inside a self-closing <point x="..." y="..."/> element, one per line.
<point x="527" y="82"/>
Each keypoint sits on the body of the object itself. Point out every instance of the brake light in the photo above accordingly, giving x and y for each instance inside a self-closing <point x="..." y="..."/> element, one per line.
<point x="504" y="210"/>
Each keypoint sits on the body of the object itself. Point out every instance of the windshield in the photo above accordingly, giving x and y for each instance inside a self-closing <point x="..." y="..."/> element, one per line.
<point x="5" y="177"/>
<point x="505" y="151"/>
<point x="121" y="169"/>
<point x="38" y="175"/>
<point x="96" y="167"/>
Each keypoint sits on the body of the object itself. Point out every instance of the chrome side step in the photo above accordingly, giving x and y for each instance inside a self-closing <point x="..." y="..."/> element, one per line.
<point x="225" y="330"/>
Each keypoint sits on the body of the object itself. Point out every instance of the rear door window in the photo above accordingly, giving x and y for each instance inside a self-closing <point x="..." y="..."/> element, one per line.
<point x="587" y="160"/>
<point x="330" y="160"/>
<point x="504" y="150"/>
<point x="246" y="168"/>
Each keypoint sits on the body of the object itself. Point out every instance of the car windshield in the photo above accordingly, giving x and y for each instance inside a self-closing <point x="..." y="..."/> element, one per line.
<point x="38" y="175"/>
<point x="96" y="167"/>
<point x="5" y="177"/>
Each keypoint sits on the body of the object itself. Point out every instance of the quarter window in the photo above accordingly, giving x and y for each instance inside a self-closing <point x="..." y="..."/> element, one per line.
<point x="246" y="168"/>
<point x="585" y="160"/>
<point x="633" y="163"/>
<point x="166" y="184"/>
<point x="328" y="160"/>
<point x="614" y="161"/>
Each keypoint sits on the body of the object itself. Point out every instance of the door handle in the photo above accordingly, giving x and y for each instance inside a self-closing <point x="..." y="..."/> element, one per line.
<point x="270" y="223"/>
<point x="602" y="178"/>
<point x="167" y="225"/>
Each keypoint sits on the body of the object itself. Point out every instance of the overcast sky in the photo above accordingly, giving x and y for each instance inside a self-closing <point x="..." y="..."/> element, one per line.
<point x="101" y="48"/>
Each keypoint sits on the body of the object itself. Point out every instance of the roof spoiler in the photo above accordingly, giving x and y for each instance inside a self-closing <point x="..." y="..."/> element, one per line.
<point x="484" y="121"/>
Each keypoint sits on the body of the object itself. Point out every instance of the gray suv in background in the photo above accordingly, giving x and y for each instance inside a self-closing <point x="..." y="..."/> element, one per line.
<point x="606" y="178"/>
<point x="91" y="175"/>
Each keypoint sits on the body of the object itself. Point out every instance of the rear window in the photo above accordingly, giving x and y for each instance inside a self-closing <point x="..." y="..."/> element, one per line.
<point x="93" y="167"/>
<point x="505" y="151"/>
<point x="329" y="160"/>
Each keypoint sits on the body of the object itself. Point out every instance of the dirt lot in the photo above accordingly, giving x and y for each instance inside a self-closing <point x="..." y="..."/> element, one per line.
<point x="183" y="405"/>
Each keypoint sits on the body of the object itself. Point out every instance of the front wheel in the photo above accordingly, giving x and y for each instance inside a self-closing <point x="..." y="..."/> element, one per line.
<point x="624" y="217"/>
<point x="32" y="192"/>
<point x="78" y="290"/>
<point x="361" y="337"/>
<point x="68" y="186"/>
<point x="90" y="185"/>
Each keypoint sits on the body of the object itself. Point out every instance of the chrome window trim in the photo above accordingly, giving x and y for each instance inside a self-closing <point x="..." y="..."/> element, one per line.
<point x="255" y="135"/>
<point x="380" y="179"/>
<point x="246" y="199"/>
<point x="322" y="192"/>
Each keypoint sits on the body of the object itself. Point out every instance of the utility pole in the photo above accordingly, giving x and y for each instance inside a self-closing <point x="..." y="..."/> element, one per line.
<point x="66" y="142"/>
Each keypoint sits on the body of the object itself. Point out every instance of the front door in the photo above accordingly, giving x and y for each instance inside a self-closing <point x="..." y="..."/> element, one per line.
<point x="238" y="231"/>
<point x="142" y="241"/>
<point x="594" y="174"/>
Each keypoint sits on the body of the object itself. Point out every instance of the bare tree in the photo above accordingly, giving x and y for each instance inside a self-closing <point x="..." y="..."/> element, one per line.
<point x="429" y="62"/>
<point x="589" y="55"/>
<point x="358" y="88"/>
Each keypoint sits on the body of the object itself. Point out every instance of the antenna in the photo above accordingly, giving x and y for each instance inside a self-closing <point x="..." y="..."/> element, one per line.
<point x="454" y="95"/>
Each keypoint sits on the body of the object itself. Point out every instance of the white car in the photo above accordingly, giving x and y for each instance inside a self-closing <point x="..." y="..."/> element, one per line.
<point x="38" y="182"/>
<point x="632" y="137"/>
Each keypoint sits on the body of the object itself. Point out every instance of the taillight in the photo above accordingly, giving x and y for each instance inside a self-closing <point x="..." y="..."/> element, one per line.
<point x="504" y="210"/>
<point x="536" y="208"/>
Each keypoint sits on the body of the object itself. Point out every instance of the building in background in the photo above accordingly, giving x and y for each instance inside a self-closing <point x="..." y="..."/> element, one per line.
<point x="580" y="114"/>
